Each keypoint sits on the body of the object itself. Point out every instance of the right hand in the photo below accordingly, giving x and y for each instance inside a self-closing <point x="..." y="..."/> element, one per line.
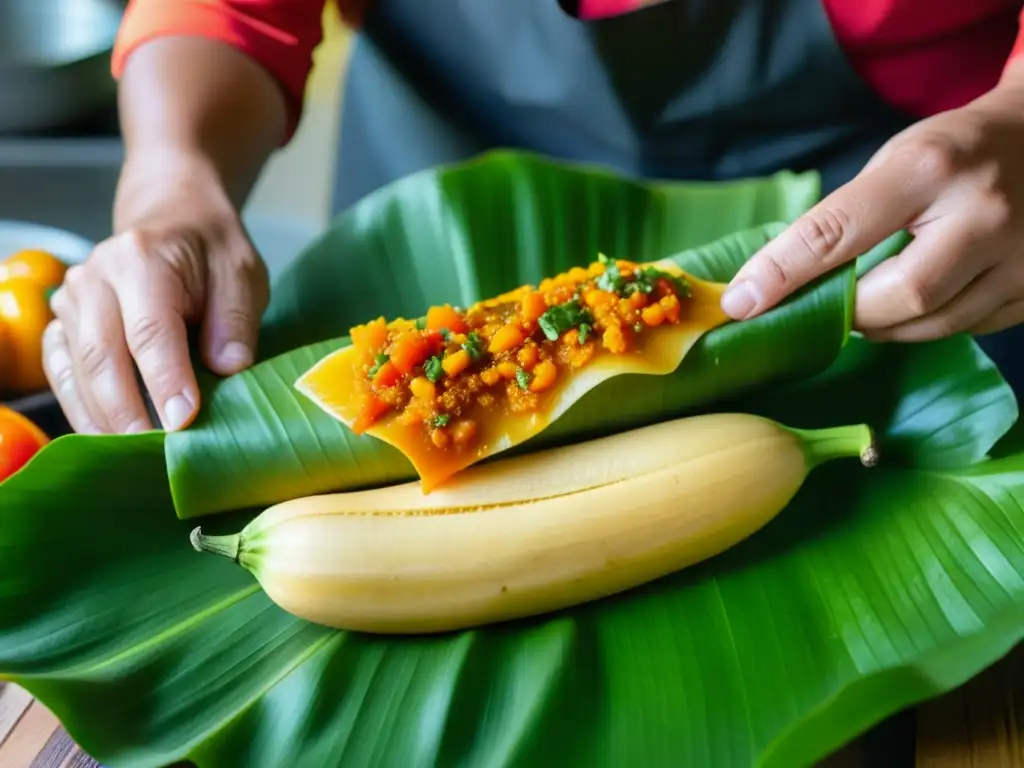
<point x="184" y="260"/>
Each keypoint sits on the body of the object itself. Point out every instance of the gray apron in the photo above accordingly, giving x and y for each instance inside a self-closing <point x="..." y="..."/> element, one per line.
<point x="687" y="89"/>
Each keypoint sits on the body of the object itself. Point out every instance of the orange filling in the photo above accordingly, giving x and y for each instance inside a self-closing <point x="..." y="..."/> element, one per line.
<point x="447" y="372"/>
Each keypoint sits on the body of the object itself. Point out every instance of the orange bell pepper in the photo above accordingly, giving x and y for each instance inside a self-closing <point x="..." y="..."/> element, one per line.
<point x="41" y="267"/>
<point x="24" y="315"/>
<point x="20" y="440"/>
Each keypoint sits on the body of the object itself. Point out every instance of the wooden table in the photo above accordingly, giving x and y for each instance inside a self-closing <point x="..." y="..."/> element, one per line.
<point x="980" y="725"/>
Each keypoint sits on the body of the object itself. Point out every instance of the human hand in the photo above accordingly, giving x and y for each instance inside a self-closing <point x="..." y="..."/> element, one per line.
<point x="184" y="260"/>
<point x="956" y="182"/>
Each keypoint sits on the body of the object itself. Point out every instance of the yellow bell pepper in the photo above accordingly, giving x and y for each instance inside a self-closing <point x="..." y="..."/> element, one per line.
<point x="26" y="280"/>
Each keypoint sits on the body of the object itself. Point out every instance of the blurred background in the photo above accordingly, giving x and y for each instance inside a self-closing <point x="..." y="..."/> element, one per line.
<point x="60" y="150"/>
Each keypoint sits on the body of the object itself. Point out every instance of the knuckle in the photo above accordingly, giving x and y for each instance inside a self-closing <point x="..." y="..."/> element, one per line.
<point x="145" y="335"/>
<point x="821" y="233"/>
<point x="93" y="357"/>
<point x="177" y="251"/>
<point x="60" y="304"/>
<point x="75" y="276"/>
<point x="776" y="270"/>
<point x="239" y="323"/>
<point x="934" y="159"/>
<point x="53" y="334"/>
<point x="946" y="325"/>
<point x="917" y="295"/>
<point x="996" y="208"/>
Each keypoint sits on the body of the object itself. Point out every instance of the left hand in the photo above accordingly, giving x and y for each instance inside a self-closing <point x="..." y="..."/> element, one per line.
<point x="956" y="182"/>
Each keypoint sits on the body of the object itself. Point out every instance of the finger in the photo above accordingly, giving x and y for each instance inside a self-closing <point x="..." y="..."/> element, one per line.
<point x="237" y="296"/>
<point x="65" y="308"/>
<point x="936" y="266"/>
<point x="102" y="361"/>
<point x="60" y="374"/>
<point x="1007" y="316"/>
<point x="978" y="301"/>
<point x="153" y="304"/>
<point x="852" y="220"/>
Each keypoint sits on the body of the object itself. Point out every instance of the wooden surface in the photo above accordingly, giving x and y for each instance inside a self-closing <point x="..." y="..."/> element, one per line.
<point x="980" y="725"/>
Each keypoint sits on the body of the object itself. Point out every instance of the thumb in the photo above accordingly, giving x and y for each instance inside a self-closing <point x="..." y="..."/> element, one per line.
<point x="237" y="293"/>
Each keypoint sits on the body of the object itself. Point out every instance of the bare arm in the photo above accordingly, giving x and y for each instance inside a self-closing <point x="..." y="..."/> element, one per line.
<point x="194" y="106"/>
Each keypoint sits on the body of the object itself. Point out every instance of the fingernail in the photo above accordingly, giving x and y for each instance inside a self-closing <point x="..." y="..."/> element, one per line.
<point x="234" y="356"/>
<point x="138" y="426"/>
<point x="739" y="300"/>
<point x="177" y="411"/>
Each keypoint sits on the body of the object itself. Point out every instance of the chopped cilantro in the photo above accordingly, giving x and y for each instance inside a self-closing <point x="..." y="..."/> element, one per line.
<point x="645" y="280"/>
<point x="611" y="281"/>
<point x="379" y="360"/>
<point x="472" y="346"/>
<point x="583" y="333"/>
<point x="681" y="285"/>
<point x="446" y="334"/>
<point x="561" y="318"/>
<point x="421" y="324"/>
<point x="523" y="378"/>
<point x="440" y="420"/>
<point x="432" y="368"/>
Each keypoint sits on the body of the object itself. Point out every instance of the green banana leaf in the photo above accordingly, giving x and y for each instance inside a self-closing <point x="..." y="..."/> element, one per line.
<point x="873" y="590"/>
<point x="230" y="459"/>
<point x="473" y="230"/>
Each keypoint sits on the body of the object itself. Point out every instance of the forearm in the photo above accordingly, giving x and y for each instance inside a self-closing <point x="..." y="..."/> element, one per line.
<point x="193" y="105"/>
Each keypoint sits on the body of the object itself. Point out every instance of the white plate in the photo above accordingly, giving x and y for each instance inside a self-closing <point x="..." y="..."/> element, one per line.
<point x="23" y="235"/>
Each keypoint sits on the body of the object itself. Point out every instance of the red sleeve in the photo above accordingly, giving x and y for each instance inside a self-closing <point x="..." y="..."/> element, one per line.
<point x="1018" y="47"/>
<point x="279" y="34"/>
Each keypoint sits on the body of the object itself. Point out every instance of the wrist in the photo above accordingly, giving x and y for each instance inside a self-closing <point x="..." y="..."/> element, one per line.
<point x="166" y="183"/>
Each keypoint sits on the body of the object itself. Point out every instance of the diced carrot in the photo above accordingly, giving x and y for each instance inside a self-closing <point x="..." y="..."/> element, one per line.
<point x="439" y="438"/>
<point x="490" y="376"/>
<point x="423" y="388"/>
<point x="627" y="313"/>
<point x="410" y="350"/>
<point x="595" y="298"/>
<point x="436" y="341"/>
<point x="445" y="316"/>
<point x="456" y="363"/>
<point x="508" y="337"/>
<point x="532" y="307"/>
<point x="369" y="413"/>
<point x="370" y="337"/>
<point x="577" y="275"/>
<point x="386" y="375"/>
<point x="507" y="370"/>
<point x="653" y="315"/>
<point x="671" y="306"/>
<point x="544" y="376"/>
<point x="527" y="356"/>
<point x="637" y="300"/>
<point x="464" y="432"/>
